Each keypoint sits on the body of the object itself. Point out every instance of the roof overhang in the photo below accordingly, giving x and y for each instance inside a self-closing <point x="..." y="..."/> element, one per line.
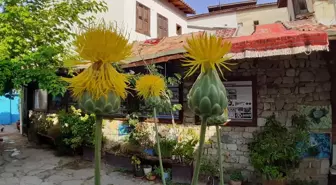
<point x="231" y="5"/>
<point x="183" y="6"/>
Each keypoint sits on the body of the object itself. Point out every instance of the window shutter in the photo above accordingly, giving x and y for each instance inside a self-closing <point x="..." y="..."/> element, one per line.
<point x="147" y="20"/>
<point x="139" y="27"/>
<point x="142" y="19"/>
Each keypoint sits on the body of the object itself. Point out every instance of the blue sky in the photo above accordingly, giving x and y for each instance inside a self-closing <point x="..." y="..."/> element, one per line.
<point x="201" y="5"/>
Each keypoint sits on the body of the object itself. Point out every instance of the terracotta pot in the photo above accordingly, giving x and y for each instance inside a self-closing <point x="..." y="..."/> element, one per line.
<point x="235" y="182"/>
<point x="274" y="182"/>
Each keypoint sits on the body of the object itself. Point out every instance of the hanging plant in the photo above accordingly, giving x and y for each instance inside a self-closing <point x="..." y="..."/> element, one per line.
<point x="100" y="88"/>
<point x="207" y="97"/>
<point x="151" y="88"/>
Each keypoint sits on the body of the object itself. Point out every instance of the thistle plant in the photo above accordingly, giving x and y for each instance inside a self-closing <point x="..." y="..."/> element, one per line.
<point x="151" y="88"/>
<point x="207" y="97"/>
<point x="100" y="88"/>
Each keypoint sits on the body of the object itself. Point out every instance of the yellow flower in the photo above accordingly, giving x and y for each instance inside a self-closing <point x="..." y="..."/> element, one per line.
<point x="100" y="44"/>
<point x="103" y="42"/>
<point x="206" y="52"/>
<point x="150" y="86"/>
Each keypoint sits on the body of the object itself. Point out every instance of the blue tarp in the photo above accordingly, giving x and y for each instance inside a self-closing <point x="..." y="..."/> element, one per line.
<point x="9" y="110"/>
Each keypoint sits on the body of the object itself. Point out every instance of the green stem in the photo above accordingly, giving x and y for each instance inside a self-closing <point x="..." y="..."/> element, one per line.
<point x="159" y="149"/>
<point x="200" y="152"/>
<point x="98" y="143"/>
<point x="219" y="153"/>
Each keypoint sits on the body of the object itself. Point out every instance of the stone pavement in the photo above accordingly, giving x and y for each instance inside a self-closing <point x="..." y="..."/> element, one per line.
<point x="22" y="163"/>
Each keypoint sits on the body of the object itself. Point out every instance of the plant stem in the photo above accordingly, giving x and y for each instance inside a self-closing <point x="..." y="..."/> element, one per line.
<point x="200" y="151"/>
<point x="219" y="153"/>
<point x="98" y="143"/>
<point x="159" y="149"/>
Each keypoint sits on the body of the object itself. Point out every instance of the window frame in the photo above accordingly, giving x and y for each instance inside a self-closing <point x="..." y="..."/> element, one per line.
<point x="143" y="9"/>
<point x="159" y="32"/>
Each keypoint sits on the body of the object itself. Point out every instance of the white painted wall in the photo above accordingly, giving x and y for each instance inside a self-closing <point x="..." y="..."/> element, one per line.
<point x="211" y="21"/>
<point x="174" y="16"/>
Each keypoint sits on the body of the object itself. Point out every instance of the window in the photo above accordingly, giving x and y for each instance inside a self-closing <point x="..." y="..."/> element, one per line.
<point x="142" y="19"/>
<point x="178" y="30"/>
<point x="300" y="7"/>
<point x="40" y="100"/>
<point x="162" y="26"/>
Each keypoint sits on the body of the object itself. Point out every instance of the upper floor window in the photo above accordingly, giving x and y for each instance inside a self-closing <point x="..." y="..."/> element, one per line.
<point x="142" y="19"/>
<point x="300" y="7"/>
<point x="178" y="30"/>
<point x="162" y="26"/>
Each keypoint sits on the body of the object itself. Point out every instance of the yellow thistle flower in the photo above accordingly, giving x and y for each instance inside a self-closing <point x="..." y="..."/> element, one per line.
<point x="150" y="86"/>
<point x="103" y="42"/>
<point x="206" y="52"/>
<point x="101" y="45"/>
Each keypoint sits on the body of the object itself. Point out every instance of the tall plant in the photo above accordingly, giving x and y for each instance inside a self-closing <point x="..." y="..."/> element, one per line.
<point x="151" y="88"/>
<point x="207" y="97"/>
<point x="100" y="88"/>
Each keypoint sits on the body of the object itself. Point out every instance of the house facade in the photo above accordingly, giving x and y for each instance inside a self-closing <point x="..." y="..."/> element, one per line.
<point x="244" y="16"/>
<point x="146" y="19"/>
<point x="322" y="11"/>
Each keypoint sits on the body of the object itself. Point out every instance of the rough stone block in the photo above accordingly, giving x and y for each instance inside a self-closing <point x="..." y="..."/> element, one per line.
<point x="247" y="135"/>
<point x="279" y="104"/>
<point x="285" y="91"/>
<point x="305" y="90"/>
<point x="267" y="106"/>
<point x="325" y="165"/>
<point x="266" y="114"/>
<point x="243" y="160"/>
<point x="232" y="147"/>
<point x="239" y="129"/>
<point x="324" y="95"/>
<point x="261" y="122"/>
<point x="288" y="80"/>
<point x="322" y="75"/>
<point x="290" y="72"/>
<point x="307" y="76"/>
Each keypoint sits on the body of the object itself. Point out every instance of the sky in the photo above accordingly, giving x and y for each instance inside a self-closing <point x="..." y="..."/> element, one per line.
<point x="201" y="6"/>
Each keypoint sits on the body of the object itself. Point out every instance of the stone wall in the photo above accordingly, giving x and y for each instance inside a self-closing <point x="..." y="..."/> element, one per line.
<point x="283" y="84"/>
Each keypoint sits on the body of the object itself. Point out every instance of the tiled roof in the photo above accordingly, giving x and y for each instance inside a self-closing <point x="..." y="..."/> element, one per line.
<point x="156" y="48"/>
<point x="183" y="6"/>
<point x="232" y="10"/>
<point x="311" y="25"/>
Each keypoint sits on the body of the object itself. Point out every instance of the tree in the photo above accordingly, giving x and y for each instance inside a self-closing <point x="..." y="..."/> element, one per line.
<point x="35" y="37"/>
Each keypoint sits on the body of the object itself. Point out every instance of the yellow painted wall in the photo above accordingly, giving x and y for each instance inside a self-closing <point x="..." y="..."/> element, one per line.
<point x="265" y="15"/>
<point x="324" y="12"/>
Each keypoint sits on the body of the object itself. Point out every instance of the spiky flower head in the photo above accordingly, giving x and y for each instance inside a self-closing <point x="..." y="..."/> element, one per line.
<point x="206" y="52"/>
<point x="150" y="86"/>
<point x="101" y="45"/>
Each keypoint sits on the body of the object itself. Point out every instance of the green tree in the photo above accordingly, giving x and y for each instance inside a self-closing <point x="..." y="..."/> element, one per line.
<point x="35" y="37"/>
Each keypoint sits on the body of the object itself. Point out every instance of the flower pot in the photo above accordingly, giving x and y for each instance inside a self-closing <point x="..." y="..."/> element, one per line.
<point x="274" y="182"/>
<point x="138" y="172"/>
<point x="88" y="153"/>
<point x="147" y="169"/>
<point x="166" y="175"/>
<point x="235" y="182"/>
<point x="182" y="173"/>
<point x="117" y="161"/>
<point x="151" y="178"/>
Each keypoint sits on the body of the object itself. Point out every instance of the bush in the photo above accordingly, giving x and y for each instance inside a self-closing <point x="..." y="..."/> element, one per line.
<point x="274" y="151"/>
<point x="77" y="130"/>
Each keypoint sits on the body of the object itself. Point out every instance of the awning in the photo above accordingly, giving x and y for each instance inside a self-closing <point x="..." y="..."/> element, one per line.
<point x="275" y="39"/>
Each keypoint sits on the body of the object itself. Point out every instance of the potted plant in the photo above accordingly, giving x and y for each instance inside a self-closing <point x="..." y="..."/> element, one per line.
<point x="182" y="166"/>
<point x="167" y="147"/>
<point x="150" y="176"/>
<point x="138" y="171"/>
<point x="209" y="171"/>
<point x="166" y="173"/>
<point x="274" y="151"/>
<point x="236" y="178"/>
<point x="147" y="169"/>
